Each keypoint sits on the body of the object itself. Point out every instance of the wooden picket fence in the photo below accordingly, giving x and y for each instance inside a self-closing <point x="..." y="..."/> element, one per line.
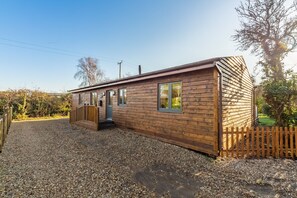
<point x="258" y="142"/>
<point x="5" y="122"/>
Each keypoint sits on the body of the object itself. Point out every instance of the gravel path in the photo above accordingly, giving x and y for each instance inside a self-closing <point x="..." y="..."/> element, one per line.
<point x="52" y="159"/>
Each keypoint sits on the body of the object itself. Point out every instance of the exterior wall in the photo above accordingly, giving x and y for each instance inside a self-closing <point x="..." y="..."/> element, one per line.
<point x="237" y="93"/>
<point x="196" y="127"/>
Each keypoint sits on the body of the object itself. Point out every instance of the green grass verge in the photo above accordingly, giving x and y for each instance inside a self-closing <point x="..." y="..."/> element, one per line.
<point x="265" y="120"/>
<point x="41" y="118"/>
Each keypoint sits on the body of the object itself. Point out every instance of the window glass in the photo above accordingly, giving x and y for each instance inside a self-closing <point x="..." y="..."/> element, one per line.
<point x="122" y="97"/>
<point x="91" y="98"/>
<point x="164" y="96"/>
<point x="94" y="98"/>
<point x="170" y="97"/>
<point x="110" y="98"/>
<point x="176" y="95"/>
<point x="79" y="99"/>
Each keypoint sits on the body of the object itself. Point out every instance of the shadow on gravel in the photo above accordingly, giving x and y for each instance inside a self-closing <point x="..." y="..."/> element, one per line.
<point x="164" y="179"/>
<point x="264" y="190"/>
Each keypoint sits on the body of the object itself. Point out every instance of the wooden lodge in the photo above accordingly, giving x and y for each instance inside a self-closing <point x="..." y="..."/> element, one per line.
<point x="187" y="105"/>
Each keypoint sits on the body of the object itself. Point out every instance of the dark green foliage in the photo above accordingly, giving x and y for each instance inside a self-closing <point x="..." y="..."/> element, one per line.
<point x="266" y="109"/>
<point x="28" y="103"/>
<point x="281" y="96"/>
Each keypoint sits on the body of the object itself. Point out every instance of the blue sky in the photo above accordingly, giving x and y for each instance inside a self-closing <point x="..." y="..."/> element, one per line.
<point x="41" y="41"/>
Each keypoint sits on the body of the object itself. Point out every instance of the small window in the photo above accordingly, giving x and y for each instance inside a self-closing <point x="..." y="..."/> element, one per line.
<point x="93" y="98"/>
<point x="170" y="97"/>
<point x="79" y="99"/>
<point x="122" y="97"/>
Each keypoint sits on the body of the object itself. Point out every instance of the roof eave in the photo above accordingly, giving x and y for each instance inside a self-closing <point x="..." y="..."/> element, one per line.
<point x="161" y="73"/>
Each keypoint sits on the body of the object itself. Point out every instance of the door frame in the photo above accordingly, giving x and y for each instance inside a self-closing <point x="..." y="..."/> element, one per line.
<point x="108" y="92"/>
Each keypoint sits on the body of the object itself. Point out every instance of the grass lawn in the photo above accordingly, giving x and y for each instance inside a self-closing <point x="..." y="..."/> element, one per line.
<point x="264" y="120"/>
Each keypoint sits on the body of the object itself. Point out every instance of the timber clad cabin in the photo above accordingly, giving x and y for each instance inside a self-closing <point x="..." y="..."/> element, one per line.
<point x="187" y="105"/>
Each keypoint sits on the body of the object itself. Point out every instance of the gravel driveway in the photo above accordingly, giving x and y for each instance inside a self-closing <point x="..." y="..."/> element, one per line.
<point x="52" y="159"/>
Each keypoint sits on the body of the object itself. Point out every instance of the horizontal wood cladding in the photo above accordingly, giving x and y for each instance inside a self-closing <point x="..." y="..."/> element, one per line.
<point x="237" y="93"/>
<point x="195" y="127"/>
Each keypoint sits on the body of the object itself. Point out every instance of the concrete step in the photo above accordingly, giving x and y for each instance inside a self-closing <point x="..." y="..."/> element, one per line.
<point x="106" y="124"/>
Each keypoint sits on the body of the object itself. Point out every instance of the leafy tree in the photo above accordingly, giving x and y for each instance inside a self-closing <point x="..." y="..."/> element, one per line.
<point x="281" y="97"/>
<point x="89" y="72"/>
<point x="269" y="29"/>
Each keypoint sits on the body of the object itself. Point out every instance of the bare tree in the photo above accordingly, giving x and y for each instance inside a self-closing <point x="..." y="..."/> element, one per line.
<point x="269" y="29"/>
<point x="89" y="72"/>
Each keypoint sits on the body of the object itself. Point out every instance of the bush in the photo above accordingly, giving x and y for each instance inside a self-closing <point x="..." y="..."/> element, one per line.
<point x="27" y="103"/>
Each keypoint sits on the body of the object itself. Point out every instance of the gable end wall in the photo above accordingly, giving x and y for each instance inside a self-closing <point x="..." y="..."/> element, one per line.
<point x="237" y="93"/>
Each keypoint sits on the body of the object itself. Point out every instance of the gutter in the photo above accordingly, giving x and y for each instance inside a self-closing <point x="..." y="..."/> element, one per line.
<point x="220" y="137"/>
<point x="146" y="76"/>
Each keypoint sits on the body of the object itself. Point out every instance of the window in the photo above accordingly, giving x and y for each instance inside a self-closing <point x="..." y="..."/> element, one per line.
<point x="170" y="97"/>
<point x="122" y="97"/>
<point x="93" y="98"/>
<point x="79" y="99"/>
<point x="110" y="97"/>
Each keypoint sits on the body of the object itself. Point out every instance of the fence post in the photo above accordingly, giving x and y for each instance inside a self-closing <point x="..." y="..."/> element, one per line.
<point x="247" y="141"/>
<point x="75" y="115"/>
<point x="227" y="142"/>
<point x="295" y="141"/>
<point x="263" y="143"/>
<point x="253" y="142"/>
<point x="281" y="144"/>
<point x="97" y="117"/>
<point x="242" y="142"/>
<point x="276" y="142"/>
<point x="257" y="142"/>
<point x="11" y="114"/>
<point x="237" y="142"/>
<point x="1" y="134"/>
<point x="286" y="143"/>
<point x="6" y="123"/>
<point x="4" y="130"/>
<point x="291" y="143"/>
<point x="268" y="141"/>
<point x="84" y="117"/>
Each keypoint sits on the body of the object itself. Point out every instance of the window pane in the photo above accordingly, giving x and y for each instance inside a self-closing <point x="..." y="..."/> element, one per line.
<point x="91" y="98"/>
<point x="125" y="96"/>
<point x="164" y="96"/>
<point x="121" y="97"/>
<point x="110" y="95"/>
<point x="94" y="98"/>
<point x="79" y="99"/>
<point x="176" y="95"/>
